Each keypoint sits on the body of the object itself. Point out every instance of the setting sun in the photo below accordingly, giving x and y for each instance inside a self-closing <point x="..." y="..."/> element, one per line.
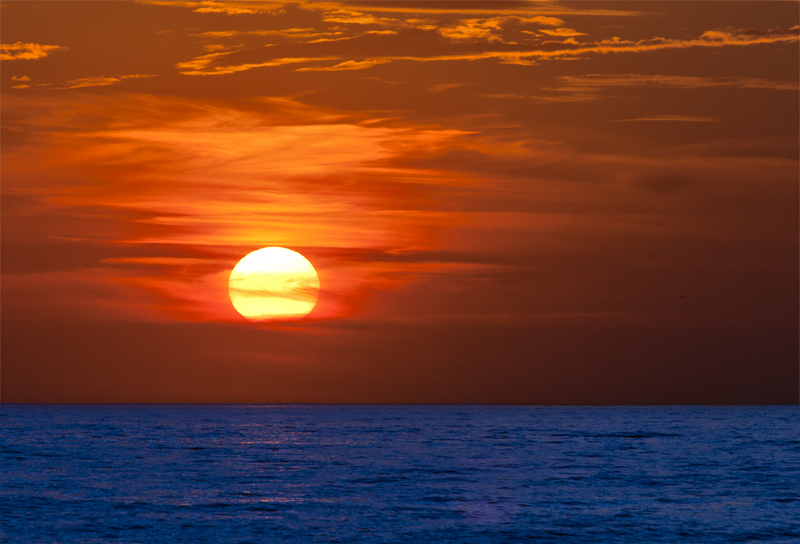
<point x="273" y="283"/>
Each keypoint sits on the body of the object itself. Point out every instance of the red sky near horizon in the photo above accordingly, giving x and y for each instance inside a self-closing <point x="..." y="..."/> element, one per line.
<point x="523" y="202"/>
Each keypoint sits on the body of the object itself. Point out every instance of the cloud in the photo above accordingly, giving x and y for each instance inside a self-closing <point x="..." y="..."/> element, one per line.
<point x="27" y="51"/>
<point x="596" y="81"/>
<point x="165" y="261"/>
<point x="710" y="38"/>
<point x="439" y="87"/>
<point x="347" y="65"/>
<point x="519" y="61"/>
<point x="464" y="29"/>
<point x="297" y="33"/>
<point x="97" y="81"/>
<point x="530" y="57"/>
<point x="198" y="63"/>
<point x="491" y="28"/>
<point x="707" y="39"/>
<point x="732" y="35"/>
<point x="211" y="47"/>
<point x="101" y="80"/>
<point x="468" y="32"/>
<point x="224" y="9"/>
<point x="543" y="10"/>
<point x="546" y="21"/>
<point x="616" y="45"/>
<point x="583" y="96"/>
<point x="199" y="67"/>
<point x="673" y="118"/>
<point x="91" y="81"/>
<point x="224" y="180"/>
<point x="301" y="35"/>
<point x="20" y="78"/>
<point x="352" y="17"/>
<point x="564" y="32"/>
<point x="228" y="8"/>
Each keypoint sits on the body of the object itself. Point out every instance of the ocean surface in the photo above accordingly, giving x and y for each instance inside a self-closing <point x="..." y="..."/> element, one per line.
<point x="398" y="474"/>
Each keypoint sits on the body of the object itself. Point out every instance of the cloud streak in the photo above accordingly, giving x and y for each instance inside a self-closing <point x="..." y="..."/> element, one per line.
<point x="597" y="81"/>
<point x="227" y="8"/>
<point x="228" y="180"/>
<point x="91" y="81"/>
<point x="95" y="81"/>
<point x="347" y="65"/>
<point x="299" y="34"/>
<point x="563" y="32"/>
<point x="716" y="39"/>
<point x="490" y="29"/>
<point x="709" y="39"/>
<point x="673" y="118"/>
<point x="200" y="67"/>
<point x="27" y="51"/>
<point x="540" y="9"/>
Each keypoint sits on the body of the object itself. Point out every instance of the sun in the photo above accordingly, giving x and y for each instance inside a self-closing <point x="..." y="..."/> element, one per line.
<point x="273" y="283"/>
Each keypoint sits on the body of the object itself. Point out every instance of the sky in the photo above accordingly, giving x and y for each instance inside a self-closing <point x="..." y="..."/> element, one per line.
<point x="527" y="202"/>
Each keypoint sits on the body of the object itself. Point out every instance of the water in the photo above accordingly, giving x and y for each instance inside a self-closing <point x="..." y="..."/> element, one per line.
<point x="399" y="474"/>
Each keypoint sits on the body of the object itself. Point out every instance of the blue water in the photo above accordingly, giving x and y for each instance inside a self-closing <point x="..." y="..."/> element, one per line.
<point x="399" y="474"/>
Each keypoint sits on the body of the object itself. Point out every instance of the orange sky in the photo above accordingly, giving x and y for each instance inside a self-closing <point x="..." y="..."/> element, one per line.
<point x="529" y="202"/>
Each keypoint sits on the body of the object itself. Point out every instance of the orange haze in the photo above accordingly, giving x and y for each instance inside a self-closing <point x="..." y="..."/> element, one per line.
<point x="506" y="202"/>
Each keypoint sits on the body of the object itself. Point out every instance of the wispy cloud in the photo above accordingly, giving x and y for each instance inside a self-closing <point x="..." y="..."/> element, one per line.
<point x="539" y="20"/>
<point x="459" y="30"/>
<point x="539" y="9"/>
<point x="199" y="63"/>
<point x="591" y="82"/>
<point x="583" y="96"/>
<point x="199" y="68"/>
<point x="353" y="17"/>
<point x="710" y="39"/>
<point x="672" y="118"/>
<point x="562" y="32"/>
<point x="535" y="33"/>
<point x="228" y="8"/>
<point x="491" y="29"/>
<point x="439" y="87"/>
<point x="90" y="81"/>
<point x="347" y="65"/>
<point x="297" y="33"/>
<point x="23" y="79"/>
<point x="27" y="51"/>
<point x="589" y="87"/>
<point x="290" y="35"/>
<point x="716" y="39"/>
<point x="214" y="181"/>
<point x="95" y="81"/>
<point x="469" y="32"/>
